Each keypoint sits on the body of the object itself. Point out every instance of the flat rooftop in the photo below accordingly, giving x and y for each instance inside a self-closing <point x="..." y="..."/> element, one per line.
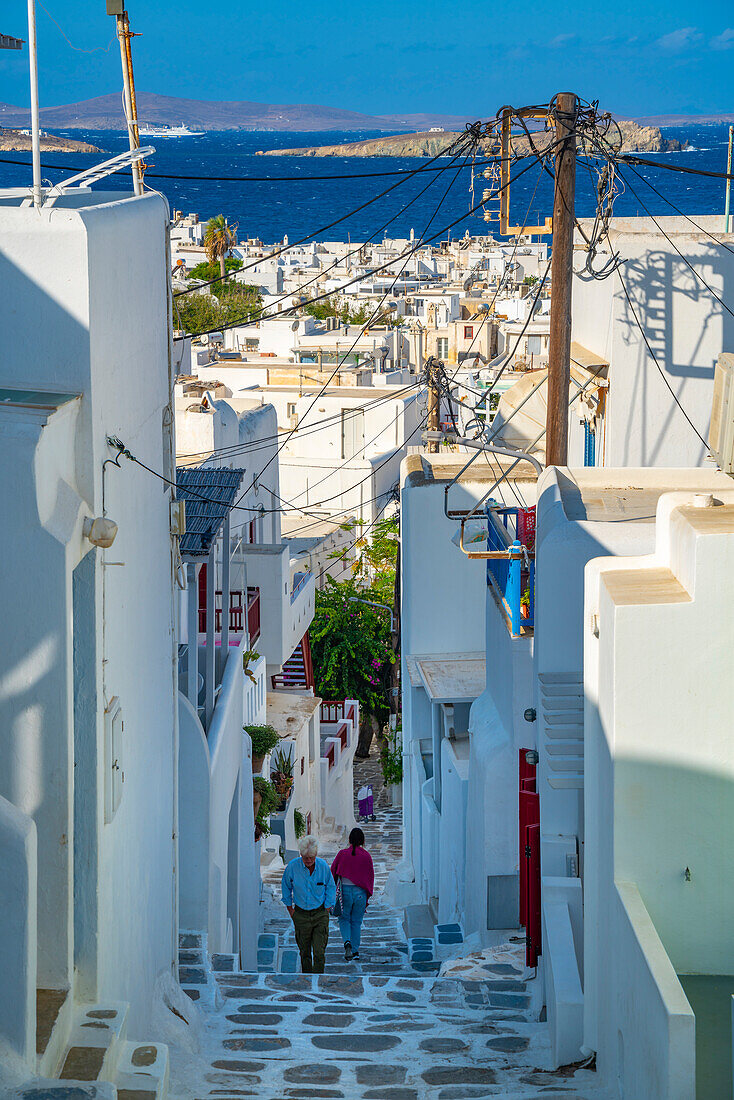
<point x="629" y="495"/>
<point x="288" y="713"/>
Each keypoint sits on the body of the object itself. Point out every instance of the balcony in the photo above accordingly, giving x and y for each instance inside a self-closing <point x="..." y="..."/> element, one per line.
<point x="512" y="579"/>
<point x="339" y="736"/>
<point x="286" y="605"/>
<point x="236" y="614"/>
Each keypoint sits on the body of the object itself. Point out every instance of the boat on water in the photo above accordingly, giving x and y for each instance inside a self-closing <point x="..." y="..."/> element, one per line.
<point x="169" y="131"/>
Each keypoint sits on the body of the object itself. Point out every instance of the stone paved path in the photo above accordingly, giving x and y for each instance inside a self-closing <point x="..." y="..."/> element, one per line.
<point x="378" y="1029"/>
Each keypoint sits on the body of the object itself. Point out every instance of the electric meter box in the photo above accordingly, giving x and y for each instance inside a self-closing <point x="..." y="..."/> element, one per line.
<point x="721" y="436"/>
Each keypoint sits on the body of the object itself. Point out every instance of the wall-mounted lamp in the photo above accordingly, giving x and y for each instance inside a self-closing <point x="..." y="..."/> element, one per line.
<point x="530" y="714"/>
<point x="100" y="532"/>
<point x="687" y="874"/>
<point x="532" y="757"/>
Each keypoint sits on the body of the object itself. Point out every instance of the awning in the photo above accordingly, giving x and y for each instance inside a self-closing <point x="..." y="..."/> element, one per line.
<point x="521" y="414"/>
<point x="454" y="678"/>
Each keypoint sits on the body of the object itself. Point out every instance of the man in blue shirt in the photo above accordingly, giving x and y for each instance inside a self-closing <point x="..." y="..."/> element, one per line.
<point x="309" y="893"/>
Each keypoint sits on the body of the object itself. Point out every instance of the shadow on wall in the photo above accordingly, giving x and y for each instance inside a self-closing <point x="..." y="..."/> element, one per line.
<point x="677" y="312"/>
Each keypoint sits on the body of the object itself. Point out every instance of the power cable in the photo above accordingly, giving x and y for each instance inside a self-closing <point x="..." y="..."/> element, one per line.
<point x="631" y="158"/>
<point x="686" y="261"/>
<point x="404" y="172"/>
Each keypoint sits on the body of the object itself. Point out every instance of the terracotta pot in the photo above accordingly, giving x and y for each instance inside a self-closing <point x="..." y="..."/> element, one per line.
<point x="256" y="802"/>
<point x="524" y="611"/>
<point x="257" y="764"/>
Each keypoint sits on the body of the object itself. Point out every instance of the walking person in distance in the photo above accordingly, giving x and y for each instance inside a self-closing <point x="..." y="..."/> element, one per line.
<point x="353" y="866"/>
<point x="309" y="893"/>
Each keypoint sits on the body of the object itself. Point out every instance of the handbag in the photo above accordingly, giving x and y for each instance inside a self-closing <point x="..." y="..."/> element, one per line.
<point x="339" y="903"/>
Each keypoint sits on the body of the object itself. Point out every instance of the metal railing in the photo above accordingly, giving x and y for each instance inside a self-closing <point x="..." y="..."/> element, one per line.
<point x="512" y="574"/>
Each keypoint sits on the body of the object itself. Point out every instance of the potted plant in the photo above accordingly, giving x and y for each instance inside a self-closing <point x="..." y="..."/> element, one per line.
<point x="525" y="604"/>
<point x="281" y="776"/>
<point x="249" y="657"/>
<point x="391" y="759"/>
<point x="265" y="799"/>
<point x="264" y="739"/>
<point x="299" y="823"/>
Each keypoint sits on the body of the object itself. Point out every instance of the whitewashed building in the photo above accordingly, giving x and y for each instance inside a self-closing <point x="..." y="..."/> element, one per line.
<point x="88" y="736"/>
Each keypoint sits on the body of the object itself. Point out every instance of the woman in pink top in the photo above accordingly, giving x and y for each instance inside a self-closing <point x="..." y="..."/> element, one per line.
<point x="353" y="866"/>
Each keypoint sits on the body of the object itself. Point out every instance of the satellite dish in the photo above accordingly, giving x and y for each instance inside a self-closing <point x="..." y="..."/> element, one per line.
<point x="294" y="326"/>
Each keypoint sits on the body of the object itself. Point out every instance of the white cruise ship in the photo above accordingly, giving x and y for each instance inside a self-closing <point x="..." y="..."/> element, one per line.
<point x="169" y="131"/>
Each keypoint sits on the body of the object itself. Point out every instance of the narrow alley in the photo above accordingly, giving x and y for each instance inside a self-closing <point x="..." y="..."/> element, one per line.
<point x="383" y="1028"/>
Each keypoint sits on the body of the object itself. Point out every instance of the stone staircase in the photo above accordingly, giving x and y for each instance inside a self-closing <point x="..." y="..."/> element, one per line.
<point x="386" y="1027"/>
<point x="83" y="1051"/>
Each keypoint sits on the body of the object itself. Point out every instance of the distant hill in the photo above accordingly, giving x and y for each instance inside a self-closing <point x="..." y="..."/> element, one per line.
<point x="686" y="120"/>
<point x="105" y="113"/>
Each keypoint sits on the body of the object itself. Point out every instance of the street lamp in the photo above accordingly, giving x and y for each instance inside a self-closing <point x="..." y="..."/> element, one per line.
<point x="371" y="603"/>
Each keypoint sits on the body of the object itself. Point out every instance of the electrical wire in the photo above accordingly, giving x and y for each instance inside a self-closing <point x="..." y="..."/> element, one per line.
<point x="700" y="228"/>
<point x="631" y="158"/>
<point x="685" y="259"/>
<point x="404" y="172"/>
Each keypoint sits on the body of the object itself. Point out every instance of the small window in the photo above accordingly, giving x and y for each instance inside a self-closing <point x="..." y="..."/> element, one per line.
<point x="468" y="332"/>
<point x="442" y="347"/>
<point x="291" y="408"/>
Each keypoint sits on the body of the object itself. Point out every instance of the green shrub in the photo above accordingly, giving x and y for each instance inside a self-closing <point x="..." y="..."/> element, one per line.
<point x="264" y="739"/>
<point x="270" y="797"/>
<point x="299" y="822"/>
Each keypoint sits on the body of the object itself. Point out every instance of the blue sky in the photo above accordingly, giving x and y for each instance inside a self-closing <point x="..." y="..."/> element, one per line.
<point x="377" y="57"/>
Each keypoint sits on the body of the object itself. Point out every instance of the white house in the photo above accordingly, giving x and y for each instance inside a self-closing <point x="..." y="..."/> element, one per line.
<point x="88" y="736"/>
<point x="686" y="327"/>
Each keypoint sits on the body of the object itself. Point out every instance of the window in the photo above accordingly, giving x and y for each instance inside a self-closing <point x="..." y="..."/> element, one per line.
<point x="442" y="347"/>
<point x="352" y="432"/>
<point x="533" y="345"/>
<point x="468" y="332"/>
<point x="291" y="408"/>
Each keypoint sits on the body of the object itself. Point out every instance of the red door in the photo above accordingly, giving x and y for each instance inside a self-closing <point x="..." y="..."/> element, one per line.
<point x="533" y="926"/>
<point x="529" y="814"/>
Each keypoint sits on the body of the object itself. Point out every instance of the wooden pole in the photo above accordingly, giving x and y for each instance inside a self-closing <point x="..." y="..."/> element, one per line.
<point x="559" y="351"/>
<point x="123" y="30"/>
<point x="433" y="404"/>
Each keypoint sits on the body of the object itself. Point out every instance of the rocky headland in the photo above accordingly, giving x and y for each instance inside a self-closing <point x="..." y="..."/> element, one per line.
<point x="13" y="141"/>
<point x="635" y="139"/>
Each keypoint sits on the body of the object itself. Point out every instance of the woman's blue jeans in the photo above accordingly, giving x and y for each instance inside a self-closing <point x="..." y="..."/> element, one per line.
<point x="350" y="922"/>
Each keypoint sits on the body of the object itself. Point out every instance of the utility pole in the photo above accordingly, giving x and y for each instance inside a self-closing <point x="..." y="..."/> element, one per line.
<point x="35" y="114"/>
<point x="727" y="218"/>
<point x="434" y="402"/>
<point x="124" y="34"/>
<point x="559" y="351"/>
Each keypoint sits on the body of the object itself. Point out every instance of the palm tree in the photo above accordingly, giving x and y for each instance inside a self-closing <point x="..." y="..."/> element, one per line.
<point x="219" y="238"/>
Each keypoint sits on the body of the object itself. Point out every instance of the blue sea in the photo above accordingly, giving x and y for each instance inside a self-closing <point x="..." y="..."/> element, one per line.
<point x="300" y="206"/>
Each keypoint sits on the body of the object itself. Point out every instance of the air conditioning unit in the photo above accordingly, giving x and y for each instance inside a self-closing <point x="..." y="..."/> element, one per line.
<point x="721" y="436"/>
